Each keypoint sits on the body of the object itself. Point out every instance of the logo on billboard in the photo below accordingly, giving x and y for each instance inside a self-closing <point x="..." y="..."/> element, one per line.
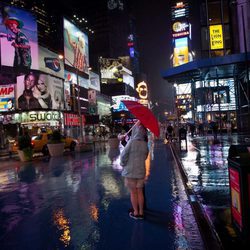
<point x="7" y="97"/>
<point x="52" y="63"/>
<point x="180" y="29"/>
<point x="142" y="90"/>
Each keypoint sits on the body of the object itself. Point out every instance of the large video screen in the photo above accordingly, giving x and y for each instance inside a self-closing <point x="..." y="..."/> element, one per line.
<point x="76" y="47"/>
<point x="39" y="91"/>
<point x="18" y="39"/>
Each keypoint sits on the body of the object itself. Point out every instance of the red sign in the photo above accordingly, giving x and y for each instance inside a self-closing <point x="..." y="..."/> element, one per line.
<point x="6" y="91"/>
<point x="73" y="120"/>
<point x="235" y="196"/>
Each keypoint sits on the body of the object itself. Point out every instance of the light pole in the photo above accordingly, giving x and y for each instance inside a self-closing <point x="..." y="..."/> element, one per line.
<point x="78" y="98"/>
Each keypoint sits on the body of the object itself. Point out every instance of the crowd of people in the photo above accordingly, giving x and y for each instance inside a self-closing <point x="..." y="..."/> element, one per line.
<point x="195" y="129"/>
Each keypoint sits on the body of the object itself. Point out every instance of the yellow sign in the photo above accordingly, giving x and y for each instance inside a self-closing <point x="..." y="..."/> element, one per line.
<point x="216" y="37"/>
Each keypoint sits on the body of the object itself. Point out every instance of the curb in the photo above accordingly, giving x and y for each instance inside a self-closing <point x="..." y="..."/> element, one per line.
<point x="208" y="233"/>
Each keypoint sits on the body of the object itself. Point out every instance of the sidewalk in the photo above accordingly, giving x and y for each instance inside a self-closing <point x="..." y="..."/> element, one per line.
<point x="204" y="169"/>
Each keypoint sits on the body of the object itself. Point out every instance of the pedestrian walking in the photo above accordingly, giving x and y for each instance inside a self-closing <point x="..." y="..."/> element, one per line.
<point x="169" y="133"/>
<point x="133" y="161"/>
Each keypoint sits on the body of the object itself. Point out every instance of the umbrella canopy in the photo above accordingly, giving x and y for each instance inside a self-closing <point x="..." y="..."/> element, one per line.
<point x="143" y="114"/>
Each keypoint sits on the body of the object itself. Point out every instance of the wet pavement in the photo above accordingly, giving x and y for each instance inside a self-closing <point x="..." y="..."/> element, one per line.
<point x="79" y="201"/>
<point x="206" y="167"/>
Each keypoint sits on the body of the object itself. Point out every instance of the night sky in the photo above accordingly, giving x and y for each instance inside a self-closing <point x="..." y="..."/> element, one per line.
<point x="153" y="26"/>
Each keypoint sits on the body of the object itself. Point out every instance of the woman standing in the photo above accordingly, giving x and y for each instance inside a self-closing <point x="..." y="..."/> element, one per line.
<point x="133" y="160"/>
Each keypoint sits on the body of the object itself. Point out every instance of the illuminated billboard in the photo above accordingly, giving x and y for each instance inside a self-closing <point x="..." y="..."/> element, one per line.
<point x="76" y="47"/>
<point x="18" y="37"/>
<point x="49" y="62"/>
<point x="39" y="91"/>
<point x="180" y="29"/>
<point x="72" y="79"/>
<point x="110" y="68"/>
<point x="216" y="37"/>
<point x="180" y="9"/>
<point x="94" y="81"/>
<point x="117" y="103"/>
<point x="7" y="97"/>
<point x="180" y="51"/>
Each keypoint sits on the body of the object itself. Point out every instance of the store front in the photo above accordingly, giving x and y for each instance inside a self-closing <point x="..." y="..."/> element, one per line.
<point x="215" y="89"/>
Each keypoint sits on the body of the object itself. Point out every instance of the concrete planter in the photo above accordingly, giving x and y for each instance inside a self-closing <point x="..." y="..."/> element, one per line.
<point x="24" y="156"/>
<point x="56" y="149"/>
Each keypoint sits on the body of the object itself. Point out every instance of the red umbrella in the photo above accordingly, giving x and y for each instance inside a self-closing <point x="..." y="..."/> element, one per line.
<point x="143" y="114"/>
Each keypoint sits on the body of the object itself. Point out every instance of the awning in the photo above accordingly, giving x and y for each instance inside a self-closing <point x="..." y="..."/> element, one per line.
<point x="210" y="68"/>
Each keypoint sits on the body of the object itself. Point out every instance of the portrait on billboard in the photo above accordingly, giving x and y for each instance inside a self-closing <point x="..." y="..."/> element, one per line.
<point x="76" y="48"/>
<point x="7" y="97"/>
<point x="18" y="35"/>
<point x="56" y="90"/>
<point x="92" y="96"/>
<point x="39" y="91"/>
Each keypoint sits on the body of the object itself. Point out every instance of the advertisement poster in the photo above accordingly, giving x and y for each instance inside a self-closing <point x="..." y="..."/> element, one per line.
<point x="39" y="91"/>
<point x="216" y="37"/>
<point x="50" y="63"/>
<point x="92" y="96"/>
<point x="76" y="47"/>
<point x="7" y="97"/>
<point x="72" y="79"/>
<point x="117" y="103"/>
<point x="18" y="39"/>
<point x="94" y="81"/>
<point x="180" y="51"/>
<point x="235" y="196"/>
<point x="67" y="95"/>
<point x="110" y="68"/>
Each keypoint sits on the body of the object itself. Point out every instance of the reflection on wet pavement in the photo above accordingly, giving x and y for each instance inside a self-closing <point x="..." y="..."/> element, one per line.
<point x="79" y="201"/>
<point x="206" y="166"/>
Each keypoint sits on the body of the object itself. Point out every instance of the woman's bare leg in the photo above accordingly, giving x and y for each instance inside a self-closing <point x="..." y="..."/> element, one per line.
<point x="134" y="200"/>
<point x="140" y="197"/>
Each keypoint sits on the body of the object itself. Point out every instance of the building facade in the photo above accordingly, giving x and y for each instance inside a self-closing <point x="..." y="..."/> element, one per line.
<point x="211" y="54"/>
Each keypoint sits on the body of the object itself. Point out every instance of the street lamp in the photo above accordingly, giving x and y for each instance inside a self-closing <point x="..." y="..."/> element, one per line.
<point x="78" y="98"/>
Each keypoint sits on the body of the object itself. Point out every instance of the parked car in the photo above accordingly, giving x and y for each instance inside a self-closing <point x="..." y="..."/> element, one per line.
<point x="39" y="143"/>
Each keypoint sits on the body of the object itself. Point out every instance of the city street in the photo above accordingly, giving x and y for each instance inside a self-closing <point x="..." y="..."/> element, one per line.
<point x="79" y="201"/>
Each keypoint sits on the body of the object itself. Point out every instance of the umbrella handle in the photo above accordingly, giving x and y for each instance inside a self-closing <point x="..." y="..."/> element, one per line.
<point x="132" y="127"/>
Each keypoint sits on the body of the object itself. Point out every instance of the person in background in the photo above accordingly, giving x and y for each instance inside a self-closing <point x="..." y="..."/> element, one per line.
<point x="192" y="129"/>
<point x="169" y="133"/>
<point x="27" y="101"/>
<point x="133" y="161"/>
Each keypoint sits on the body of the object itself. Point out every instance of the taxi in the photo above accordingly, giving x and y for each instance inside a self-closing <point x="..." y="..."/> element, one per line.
<point x="39" y="142"/>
